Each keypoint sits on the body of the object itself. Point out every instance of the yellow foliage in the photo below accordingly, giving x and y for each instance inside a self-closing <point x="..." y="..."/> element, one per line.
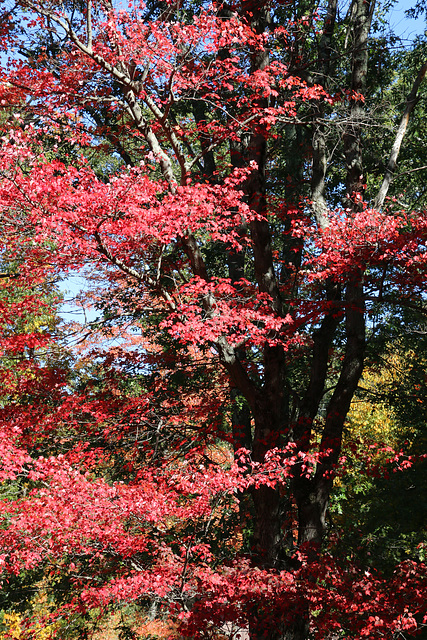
<point x="13" y="622"/>
<point x="372" y="419"/>
<point x="16" y="627"/>
<point x="373" y="427"/>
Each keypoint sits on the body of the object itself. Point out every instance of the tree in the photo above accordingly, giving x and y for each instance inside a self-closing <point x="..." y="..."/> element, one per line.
<point x="240" y="224"/>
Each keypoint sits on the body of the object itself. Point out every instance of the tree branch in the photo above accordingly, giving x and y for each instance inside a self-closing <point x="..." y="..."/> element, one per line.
<point x="89" y="25"/>
<point x="411" y="101"/>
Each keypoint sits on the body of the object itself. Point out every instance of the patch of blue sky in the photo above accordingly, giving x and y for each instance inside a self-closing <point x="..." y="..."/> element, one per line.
<point x="404" y="26"/>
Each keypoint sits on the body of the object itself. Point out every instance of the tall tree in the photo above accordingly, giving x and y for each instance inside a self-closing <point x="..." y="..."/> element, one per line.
<point x="239" y="221"/>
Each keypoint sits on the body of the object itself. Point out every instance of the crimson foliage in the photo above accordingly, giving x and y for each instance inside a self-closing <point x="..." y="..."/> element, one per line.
<point x="177" y="156"/>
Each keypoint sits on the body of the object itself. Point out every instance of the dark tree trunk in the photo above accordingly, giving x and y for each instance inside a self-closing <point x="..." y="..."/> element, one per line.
<point x="268" y="399"/>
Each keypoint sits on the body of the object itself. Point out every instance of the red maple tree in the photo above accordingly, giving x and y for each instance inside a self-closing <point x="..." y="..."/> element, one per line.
<point x="144" y="147"/>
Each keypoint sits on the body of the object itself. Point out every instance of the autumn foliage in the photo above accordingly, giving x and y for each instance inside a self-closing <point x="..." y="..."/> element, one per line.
<point x="177" y="454"/>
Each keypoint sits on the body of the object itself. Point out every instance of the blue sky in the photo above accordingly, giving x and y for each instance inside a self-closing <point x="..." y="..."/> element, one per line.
<point x="403" y="26"/>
